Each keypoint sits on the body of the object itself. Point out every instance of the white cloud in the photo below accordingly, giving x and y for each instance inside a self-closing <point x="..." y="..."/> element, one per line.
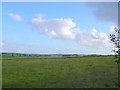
<point x="15" y="16"/>
<point x="68" y="48"/>
<point x="55" y="28"/>
<point x="40" y="15"/>
<point x="65" y="28"/>
<point x="94" y="38"/>
<point x="52" y="33"/>
<point x="1" y="45"/>
<point x="93" y="33"/>
<point x="105" y="11"/>
<point x="57" y="48"/>
<point x="112" y="29"/>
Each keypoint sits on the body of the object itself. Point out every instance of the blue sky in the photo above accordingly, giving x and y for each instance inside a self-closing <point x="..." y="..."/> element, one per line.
<point x="49" y="28"/>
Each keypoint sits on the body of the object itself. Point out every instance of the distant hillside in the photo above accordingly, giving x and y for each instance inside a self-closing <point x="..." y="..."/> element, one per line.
<point x="25" y="54"/>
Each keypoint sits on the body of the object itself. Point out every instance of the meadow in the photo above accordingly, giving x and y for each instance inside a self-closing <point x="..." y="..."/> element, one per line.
<point x="59" y="72"/>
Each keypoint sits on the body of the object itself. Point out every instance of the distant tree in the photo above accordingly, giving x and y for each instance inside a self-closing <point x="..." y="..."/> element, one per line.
<point x="12" y="54"/>
<point x="115" y="38"/>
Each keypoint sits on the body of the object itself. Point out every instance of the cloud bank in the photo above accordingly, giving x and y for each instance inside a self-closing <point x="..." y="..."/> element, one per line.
<point x="65" y="28"/>
<point x="105" y="11"/>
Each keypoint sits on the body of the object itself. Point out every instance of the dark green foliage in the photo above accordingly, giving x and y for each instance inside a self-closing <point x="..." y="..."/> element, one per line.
<point x="115" y="38"/>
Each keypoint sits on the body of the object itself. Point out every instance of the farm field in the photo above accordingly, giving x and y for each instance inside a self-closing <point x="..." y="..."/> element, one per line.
<point x="59" y="72"/>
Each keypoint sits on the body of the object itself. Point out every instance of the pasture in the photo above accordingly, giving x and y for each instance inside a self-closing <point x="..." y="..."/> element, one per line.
<point x="59" y="72"/>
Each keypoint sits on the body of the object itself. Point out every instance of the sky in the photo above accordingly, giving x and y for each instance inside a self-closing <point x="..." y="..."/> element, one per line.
<point x="58" y="27"/>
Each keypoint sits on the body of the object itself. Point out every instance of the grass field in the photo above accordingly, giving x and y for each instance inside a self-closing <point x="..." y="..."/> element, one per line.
<point x="59" y="72"/>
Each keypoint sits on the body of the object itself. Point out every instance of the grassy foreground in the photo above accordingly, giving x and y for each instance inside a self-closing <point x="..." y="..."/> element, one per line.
<point x="59" y="72"/>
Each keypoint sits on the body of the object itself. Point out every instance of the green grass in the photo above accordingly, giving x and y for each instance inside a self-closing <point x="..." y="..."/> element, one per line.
<point x="59" y="72"/>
